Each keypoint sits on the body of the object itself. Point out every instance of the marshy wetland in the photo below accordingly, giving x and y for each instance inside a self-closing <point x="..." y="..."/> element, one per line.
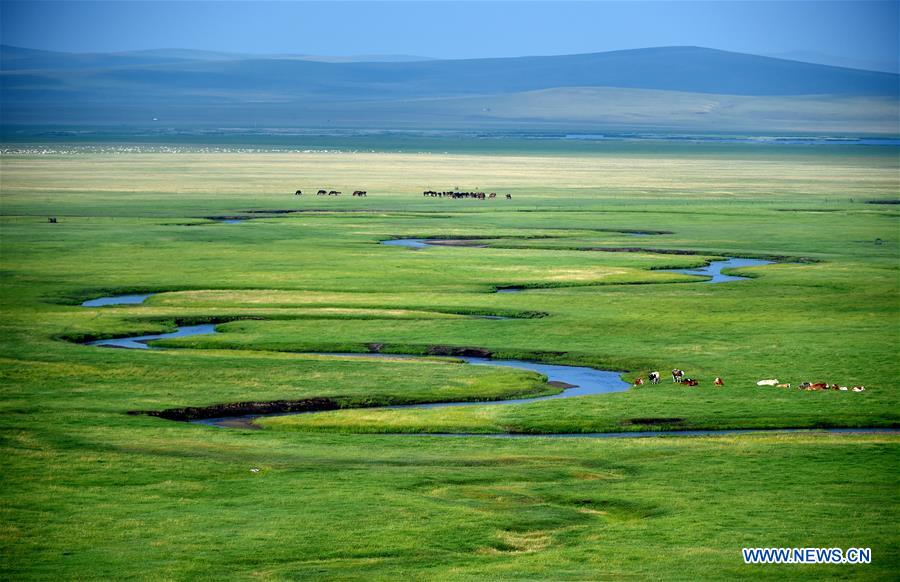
<point x="299" y="292"/>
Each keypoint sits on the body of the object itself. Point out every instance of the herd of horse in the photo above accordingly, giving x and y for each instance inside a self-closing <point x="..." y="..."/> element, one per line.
<point x="359" y="193"/>
<point x="451" y="194"/>
<point x="679" y="378"/>
<point x="455" y="194"/>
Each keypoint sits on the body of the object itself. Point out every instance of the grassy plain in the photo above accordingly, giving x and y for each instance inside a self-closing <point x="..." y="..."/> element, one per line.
<point x="90" y="492"/>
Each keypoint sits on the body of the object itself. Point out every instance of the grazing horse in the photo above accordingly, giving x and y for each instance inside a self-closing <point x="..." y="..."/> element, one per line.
<point x="334" y="193"/>
<point x="359" y="193"/>
<point x="321" y="193"/>
<point x="718" y="382"/>
<point x="677" y="375"/>
<point x="654" y="377"/>
<point x="639" y="382"/>
<point x="298" y="193"/>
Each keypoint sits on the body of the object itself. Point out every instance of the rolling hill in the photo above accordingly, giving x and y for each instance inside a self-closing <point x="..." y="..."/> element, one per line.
<point x="679" y="87"/>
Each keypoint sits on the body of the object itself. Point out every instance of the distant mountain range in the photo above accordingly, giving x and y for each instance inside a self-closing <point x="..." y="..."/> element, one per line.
<point x="667" y="87"/>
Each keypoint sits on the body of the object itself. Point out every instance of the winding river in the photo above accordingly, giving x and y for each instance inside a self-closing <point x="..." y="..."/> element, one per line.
<point x="579" y="380"/>
<point x="576" y="380"/>
<point x="713" y="270"/>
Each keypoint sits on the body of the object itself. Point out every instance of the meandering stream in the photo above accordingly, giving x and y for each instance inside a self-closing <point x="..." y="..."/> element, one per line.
<point x="713" y="270"/>
<point x="580" y="381"/>
<point x="577" y="380"/>
<point x="583" y="381"/>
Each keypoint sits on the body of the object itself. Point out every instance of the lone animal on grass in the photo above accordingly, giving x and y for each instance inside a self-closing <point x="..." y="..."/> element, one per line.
<point x="772" y="382"/>
<point x="509" y="196"/>
<point x="718" y="382"/>
<point x="639" y="382"/>
<point x="51" y="220"/>
<point x="677" y="375"/>
<point x="654" y="377"/>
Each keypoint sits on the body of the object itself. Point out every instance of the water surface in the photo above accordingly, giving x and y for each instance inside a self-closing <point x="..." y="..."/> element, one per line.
<point x="139" y="342"/>
<point x="714" y="269"/>
<point x="117" y="300"/>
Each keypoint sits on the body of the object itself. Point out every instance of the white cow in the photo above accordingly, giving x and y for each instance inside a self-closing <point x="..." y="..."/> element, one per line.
<point x="772" y="382"/>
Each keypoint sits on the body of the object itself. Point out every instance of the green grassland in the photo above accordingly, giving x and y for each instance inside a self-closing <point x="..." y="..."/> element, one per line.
<point x="90" y="492"/>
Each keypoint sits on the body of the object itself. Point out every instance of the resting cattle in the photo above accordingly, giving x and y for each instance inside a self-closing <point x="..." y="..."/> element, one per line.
<point x="772" y="382"/>
<point x="654" y="377"/>
<point x="858" y="388"/>
<point x="782" y="385"/>
<point x="689" y="382"/>
<point x="639" y="382"/>
<point x="677" y="375"/>
<point x="718" y="382"/>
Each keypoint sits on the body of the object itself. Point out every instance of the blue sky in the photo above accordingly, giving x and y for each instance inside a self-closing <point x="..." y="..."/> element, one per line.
<point x="858" y="31"/>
